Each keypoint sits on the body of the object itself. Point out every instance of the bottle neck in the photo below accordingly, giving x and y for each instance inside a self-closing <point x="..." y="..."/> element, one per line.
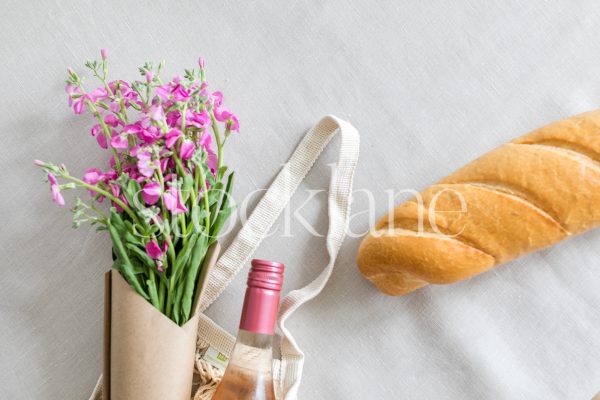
<point x="253" y="351"/>
<point x="260" y="310"/>
<point x="254" y="343"/>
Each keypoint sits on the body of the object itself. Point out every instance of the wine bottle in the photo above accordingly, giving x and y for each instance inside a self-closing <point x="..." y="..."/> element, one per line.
<point x="248" y="375"/>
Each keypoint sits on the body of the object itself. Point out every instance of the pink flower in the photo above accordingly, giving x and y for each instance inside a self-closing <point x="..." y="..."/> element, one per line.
<point x="217" y="99"/>
<point x="92" y="176"/>
<point x="235" y="124"/>
<point x="172" y="137"/>
<point x="72" y="90"/>
<point x="212" y="161"/>
<point x="151" y="192"/>
<point x="163" y="92"/>
<point x="145" y="164"/>
<point x="119" y="140"/>
<point x="205" y="140"/>
<point x="116" y="191"/>
<point x="133" y="129"/>
<point x="173" y="202"/>
<point x="224" y="114"/>
<point x="55" y="190"/>
<point x="143" y="130"/>
<point x="164" y="163"/>
<point x="199" y="120"/>
<point x="173" y="118"/>
<point x="134" y="151"/>
<point x="104" y="53"/>
<point x="173" y="91"/>
<point x="187" y="149"/>
<point x="114" y="106"/>
<point x="112" y="120"/>
<point x="131" y="169"/>
<point x="79" y="104"/>
<point x="98" y="94"/>
<point x="180" y="93"/>
<point x="154" y="250"/>
<point x="100" y="137"/>
<point x="127" y="93"/>
<point x="156" y="113"/>
<point x="149" y="134"/>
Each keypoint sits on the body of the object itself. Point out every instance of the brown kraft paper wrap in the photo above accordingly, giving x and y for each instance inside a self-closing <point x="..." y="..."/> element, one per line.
<point x="146" y="355"/>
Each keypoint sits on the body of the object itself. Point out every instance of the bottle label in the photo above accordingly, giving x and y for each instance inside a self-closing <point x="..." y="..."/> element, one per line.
<point x="216" y="358"/>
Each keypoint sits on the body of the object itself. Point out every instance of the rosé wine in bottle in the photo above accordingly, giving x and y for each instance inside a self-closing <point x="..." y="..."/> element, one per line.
<point x="248" y="375"/>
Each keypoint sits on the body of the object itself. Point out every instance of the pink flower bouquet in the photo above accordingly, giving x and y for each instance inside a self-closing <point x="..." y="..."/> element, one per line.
<point x="166" y="194"/>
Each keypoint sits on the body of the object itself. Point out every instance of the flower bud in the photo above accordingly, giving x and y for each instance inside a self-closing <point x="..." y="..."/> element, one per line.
<point x="201" y="62"/>
<point x="228" y="128"/>
<point x="149" y="76"/>
<point x="104" y="53"/>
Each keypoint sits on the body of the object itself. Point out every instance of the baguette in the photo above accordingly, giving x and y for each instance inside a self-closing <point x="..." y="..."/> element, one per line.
<point x="528" y="194"/>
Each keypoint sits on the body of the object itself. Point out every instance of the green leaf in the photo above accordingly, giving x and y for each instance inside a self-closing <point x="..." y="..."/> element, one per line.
<point x="141" y="255"/>
<point x="132" y="193"/>
<point x="191" y="277"/>
<point x="153" y="294"/>
<point x="138" y="268"/>
<point x="214" y="193"/>
<point x="127" y="267"/>
<point x="130" y="234"/>
<point x="222" y="217"/>
<point x="177" y="306"/>
<point x="225" y="211"/>
<point x="221" y="172"/>
<point x="183" y="257"/>
<point x="198" y="217"/>
<point x="116" y="220"/>
<point x="187" y="187"/>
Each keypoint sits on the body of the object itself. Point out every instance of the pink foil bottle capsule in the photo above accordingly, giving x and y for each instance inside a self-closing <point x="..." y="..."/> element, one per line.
<point x="261" y="302"/>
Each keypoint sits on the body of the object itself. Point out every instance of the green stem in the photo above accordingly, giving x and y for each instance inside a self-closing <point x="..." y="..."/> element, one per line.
<point x="161" y="295"/>
<point x="99" y="212"/>
<point x="147" y="93"/>
<point x="154" y="292"/>
<point x="205" y="198"/>
<point x="183" y="118"/>
<point x="106" y="194"/>
<point x="161" y="180"/>
<point x="169" y="300"/>
<point x="103" y="79"/>
<point x="215" y="129"/>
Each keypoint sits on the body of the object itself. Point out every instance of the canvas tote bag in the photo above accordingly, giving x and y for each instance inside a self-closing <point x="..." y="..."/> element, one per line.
<point x="214" y="343"/>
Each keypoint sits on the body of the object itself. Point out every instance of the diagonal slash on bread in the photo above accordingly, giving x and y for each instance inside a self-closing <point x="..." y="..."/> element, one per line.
<point x="528" y="194"/>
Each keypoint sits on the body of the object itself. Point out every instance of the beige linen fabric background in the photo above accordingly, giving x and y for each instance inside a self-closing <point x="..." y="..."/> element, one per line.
<point x="430" y="86"/>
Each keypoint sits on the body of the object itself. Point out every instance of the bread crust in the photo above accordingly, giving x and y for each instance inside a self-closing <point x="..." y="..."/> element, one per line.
<point x="528" y="194"/>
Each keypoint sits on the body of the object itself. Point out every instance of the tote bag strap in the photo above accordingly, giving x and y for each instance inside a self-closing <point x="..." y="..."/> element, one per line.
<point x="265" y="214"/>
